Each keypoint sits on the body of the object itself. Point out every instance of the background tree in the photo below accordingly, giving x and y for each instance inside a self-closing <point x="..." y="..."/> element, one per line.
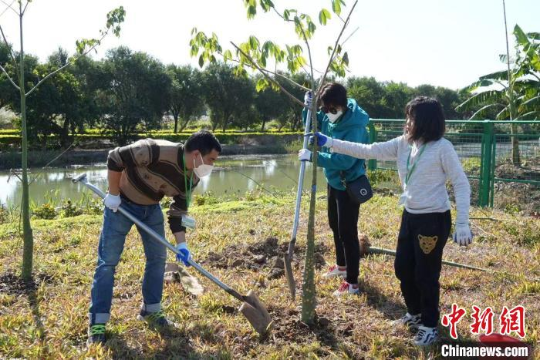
<point x="290" y="116"/>
<point x="135" y="96"/>
<point x="512" y="93"/>
<point x="269" y="104"/>
<point x="114" y="18"/>
<point x="225" y="94"/>
<point x="186" y="96"/>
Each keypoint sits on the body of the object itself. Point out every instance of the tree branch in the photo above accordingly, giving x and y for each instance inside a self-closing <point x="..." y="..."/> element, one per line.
<point x="10" y="51"/>
<point x="70" y="62"/>
<point x="9" y="7"/>
<point x="9" y="78"/>
<point x="350" y="36"/>
<point x="275" y="73"/>
<point x="268" y="77"/>
<point x="286" y="78"/>
<point x="336" y="45"/>
<point x="25" y="6"/>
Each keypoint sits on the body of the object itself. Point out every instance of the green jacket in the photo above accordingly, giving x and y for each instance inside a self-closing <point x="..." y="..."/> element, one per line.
<point x="351" y="127"/>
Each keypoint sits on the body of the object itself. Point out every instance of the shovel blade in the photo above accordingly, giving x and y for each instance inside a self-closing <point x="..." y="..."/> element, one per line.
<point x="256" y="313"/>
<point x="289" y="275"/>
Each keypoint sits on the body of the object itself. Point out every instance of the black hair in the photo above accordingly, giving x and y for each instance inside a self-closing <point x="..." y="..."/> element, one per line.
<point x="427" y="116"/>
<point x="204" y="141"/>
<point x="334" y="94"/>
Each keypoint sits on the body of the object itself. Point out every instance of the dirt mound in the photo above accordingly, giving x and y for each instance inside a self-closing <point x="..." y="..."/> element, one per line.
<point x="14" y="284"/>
<point x="288" y="328"/>
<point x="262" y="256"/>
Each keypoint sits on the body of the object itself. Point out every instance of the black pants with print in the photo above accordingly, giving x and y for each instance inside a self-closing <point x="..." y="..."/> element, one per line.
<point x="343" y="217"/>
<point x="421" y="241"/>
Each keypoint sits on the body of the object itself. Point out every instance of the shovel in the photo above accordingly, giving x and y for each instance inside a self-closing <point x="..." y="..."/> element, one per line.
<point x="290" y="251"/>
<point x="251" y="307"/>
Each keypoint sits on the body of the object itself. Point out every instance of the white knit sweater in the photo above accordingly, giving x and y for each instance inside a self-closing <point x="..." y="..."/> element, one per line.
<point x="425" y="191"/>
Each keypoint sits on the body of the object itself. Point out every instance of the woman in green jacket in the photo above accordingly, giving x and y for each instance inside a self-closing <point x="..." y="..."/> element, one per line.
<point x="341" y="118"/>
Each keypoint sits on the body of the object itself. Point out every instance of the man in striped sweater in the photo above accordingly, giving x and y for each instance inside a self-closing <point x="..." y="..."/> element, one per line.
<point x="139" y="176"/>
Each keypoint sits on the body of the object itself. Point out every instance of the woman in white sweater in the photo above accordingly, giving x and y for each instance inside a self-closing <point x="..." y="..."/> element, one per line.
<point x="425" y="162"/>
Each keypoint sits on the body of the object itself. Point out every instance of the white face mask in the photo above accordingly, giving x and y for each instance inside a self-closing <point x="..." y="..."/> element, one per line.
<point x="334" y="117"/>
<point x="203" y="169"/>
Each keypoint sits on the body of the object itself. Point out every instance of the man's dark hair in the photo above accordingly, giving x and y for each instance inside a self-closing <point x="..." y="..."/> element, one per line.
<point x="334" y="94"/>
<point x="427" y="117"/>
<point x="204" y="141"/>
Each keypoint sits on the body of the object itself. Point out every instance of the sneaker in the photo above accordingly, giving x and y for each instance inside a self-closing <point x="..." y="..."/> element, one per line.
<point x="96" y="334"/>
<point x="410" y="321"/>
<point x="156" y="319"/>
<point x="346" y="288"/>
<point x="335" y="272"/>
<point x="426" y="336"/>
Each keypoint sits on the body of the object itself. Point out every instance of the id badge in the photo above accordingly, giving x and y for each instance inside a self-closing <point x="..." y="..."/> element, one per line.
<point x="188" y="221"/>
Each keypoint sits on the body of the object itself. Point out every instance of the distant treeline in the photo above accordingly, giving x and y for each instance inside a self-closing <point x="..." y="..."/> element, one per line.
<point x="131" y="92"/>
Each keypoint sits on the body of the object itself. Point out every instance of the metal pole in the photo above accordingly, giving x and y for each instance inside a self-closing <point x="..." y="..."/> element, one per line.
<point x="372" y="163"/>
<point x="486" y="160"/>
<point x="300" y="181"/>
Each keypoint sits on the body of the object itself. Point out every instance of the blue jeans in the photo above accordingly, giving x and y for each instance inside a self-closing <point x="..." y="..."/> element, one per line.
<point x="111" y="244"/>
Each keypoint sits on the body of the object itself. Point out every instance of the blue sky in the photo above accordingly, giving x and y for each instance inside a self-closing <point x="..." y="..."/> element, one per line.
<point x="441" y="42"/>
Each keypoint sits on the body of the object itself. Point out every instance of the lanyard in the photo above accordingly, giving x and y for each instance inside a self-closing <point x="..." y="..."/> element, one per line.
<point x="410" y="170"/>
<point x="188" y="192"/>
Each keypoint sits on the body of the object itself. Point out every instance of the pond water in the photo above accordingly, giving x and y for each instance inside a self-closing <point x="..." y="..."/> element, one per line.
<point x="234" y="174"/>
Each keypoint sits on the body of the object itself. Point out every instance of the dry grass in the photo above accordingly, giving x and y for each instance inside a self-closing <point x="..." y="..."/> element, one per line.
<point x="47" y="319"/>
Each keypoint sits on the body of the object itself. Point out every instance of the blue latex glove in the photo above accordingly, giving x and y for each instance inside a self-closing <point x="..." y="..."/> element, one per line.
<point x="183" y="253"/>
<point x="322" y="140"/>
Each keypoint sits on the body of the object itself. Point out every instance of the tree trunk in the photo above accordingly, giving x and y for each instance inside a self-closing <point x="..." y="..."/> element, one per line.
<point x="176" y="123"/>
<point x="64" y="137"/>
<point x="262" y="126"/>
<point x="28" y="238"/>
<point x="183" y="125"/>
<point x="309" y="300"/>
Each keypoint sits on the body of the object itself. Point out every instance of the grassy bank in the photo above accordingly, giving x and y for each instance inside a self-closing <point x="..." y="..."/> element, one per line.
<point x="47" y="319"/>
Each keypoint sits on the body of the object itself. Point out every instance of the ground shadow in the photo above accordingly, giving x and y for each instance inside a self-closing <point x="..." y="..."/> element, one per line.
<point x="13" y="284"/>
<point x="177" y="345"/>
<point x="388" y="306"/>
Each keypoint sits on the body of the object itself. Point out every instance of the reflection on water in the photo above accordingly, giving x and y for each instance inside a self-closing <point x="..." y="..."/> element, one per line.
<point x="231" y="175"/>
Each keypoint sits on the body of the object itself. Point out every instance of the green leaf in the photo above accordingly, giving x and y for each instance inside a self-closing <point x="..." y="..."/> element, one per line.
<point x="253" y="43"/>
<point x="266" y="5"/>
<point x="346" y="58"/>
<point x="336" y="7"/>
<point x="251" y="12"/>
<point x="201" y="60"/>
<point x="521" y="37"/>
<point x="311" y="28"/>
<point x="286" y="14"/>
<point x="262" y="84"/>
<point x="227" y="55"/>
<point x="324" y="15"/>
<point x="534" y="36"/>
